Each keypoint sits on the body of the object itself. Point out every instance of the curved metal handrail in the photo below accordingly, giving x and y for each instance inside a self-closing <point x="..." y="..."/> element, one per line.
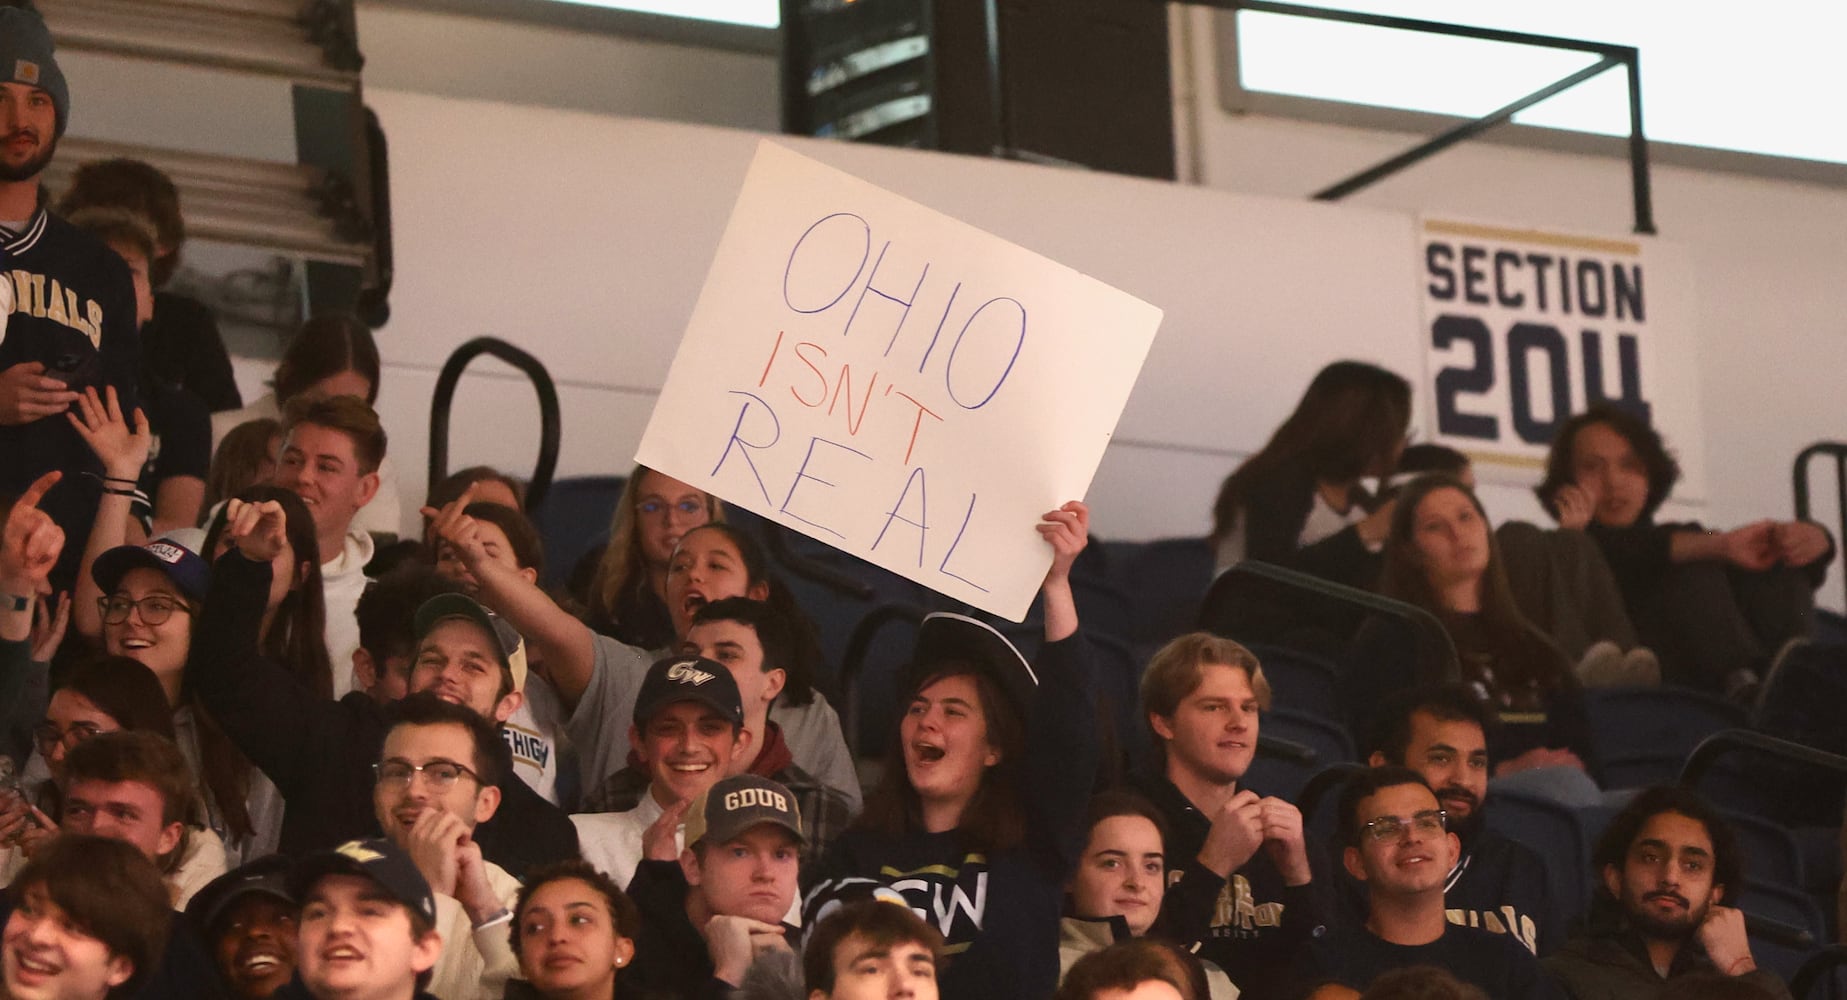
<point x="1434" y="648"/>
<point x="853" y="662"/>
<point x="1816" y="966"/>
<point x="374" y="304"/>
<point x="1324" y="781"/>
<point x="1799" y="477"/>
<point x="1728" y="741"/>
<point x="550" y="422"/>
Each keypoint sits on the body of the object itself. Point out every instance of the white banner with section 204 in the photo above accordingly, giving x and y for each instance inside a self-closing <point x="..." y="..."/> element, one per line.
<point x="894" y="382"/>
<point x="1524" y="327"/>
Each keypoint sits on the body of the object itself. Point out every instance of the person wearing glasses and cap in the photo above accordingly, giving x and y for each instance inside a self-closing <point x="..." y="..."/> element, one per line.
<point x="367" y="927"/>
<point x="1397" y="842"/>
<point x="320" y="752"/>
<point x="437" y="775"/>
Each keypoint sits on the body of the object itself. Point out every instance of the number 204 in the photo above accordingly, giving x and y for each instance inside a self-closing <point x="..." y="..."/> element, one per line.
<point x="1531" y="350"/>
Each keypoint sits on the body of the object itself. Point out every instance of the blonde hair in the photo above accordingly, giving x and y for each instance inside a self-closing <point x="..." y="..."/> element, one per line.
<point x="623" y="567"/>
<point x="1177" y="668"/>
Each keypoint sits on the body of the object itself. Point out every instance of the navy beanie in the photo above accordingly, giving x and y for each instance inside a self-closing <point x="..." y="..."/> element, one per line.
<point x="26" y="56"/>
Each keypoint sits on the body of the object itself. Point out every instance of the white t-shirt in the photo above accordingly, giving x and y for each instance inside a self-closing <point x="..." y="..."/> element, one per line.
<point x="612" y="841"/>
<point x="1325" y="522"/>
<point x="343" y="580"/>
<point x="535" y="735"/>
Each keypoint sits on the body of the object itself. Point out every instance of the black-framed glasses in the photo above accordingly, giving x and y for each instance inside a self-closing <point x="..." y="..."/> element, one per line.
<point x="439" y="773"/>
<point x="155" y="608"/>
<point x="1389" y="828"/>
<point x="48" y="736"/>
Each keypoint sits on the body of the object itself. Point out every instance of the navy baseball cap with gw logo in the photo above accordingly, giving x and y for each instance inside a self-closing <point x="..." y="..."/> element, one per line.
<point x="689" y="678"/>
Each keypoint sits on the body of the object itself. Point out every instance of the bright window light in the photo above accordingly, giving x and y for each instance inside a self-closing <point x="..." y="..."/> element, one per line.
<point x="1754" y="78"/>
<point x="750" y="13"/>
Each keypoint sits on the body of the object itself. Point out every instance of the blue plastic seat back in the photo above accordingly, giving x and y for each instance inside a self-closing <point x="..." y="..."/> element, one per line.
<point x="1643" y="735"/>
<point x="1556" y="834"/>
<point x="574" y="518"/>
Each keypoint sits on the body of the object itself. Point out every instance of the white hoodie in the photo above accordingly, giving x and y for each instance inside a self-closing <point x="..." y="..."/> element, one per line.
<point x="343" y="579"/>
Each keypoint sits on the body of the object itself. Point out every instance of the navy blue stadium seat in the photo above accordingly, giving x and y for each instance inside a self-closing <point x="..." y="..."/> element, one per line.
<point x="1300" y="681"/>
<point x="1771" y="854"/>
<point x="574" y="516"/>
<point x="1644" y="734"/>
<point x="1165" y="580"/>
<point x="877" y="652"/>
<point x="1281" y="768"/>
<point x="1789" y="907"/>
<point x="1554" y="832"/>
<point x="1326" y="737"/>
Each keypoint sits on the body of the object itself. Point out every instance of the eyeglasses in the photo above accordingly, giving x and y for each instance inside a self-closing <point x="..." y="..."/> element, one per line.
<point x="439" y="773"/>
<point x="48" y="736"/>
<point x="689" y="507"/>
<point x="155" y="608"/>
<point x="1388" y="828"/>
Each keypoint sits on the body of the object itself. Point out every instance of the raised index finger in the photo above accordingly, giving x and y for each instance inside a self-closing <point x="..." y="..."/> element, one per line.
<point x="37" y="490"/>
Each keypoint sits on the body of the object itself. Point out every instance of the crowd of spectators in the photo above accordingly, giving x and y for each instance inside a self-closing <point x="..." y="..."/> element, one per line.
<point x="265" y="747"/>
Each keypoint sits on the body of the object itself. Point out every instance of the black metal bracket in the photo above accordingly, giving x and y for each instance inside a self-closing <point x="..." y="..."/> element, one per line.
<point x="550" y="423"/>
<point x="332" y="26"/>
<point x="374" y="305"/>
<point x="1610" y="55"/>
<point x="1800" y="476"/>
<point x="1728" y="741"/>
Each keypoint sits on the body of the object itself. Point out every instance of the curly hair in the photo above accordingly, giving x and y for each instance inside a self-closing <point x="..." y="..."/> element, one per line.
<point x="1662" y="470"/>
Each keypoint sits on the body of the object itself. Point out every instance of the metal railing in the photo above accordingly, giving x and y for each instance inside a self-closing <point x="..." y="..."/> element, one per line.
<point x="1799" y="477"/>
<point x="1609" y="57"/>
<point x="550" y="423"/>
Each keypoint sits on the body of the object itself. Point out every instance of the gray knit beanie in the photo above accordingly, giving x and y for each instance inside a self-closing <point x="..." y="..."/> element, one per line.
<point x="26" y="56"/>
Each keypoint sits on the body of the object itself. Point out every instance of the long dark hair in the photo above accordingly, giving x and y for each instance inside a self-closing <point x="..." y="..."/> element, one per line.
<point x="1523" y="653"/>
<point x="296" y="639"/>
<point x="994" y="819"/>
<point x="327" y="345"/>
<point x="123" y="689"/>
<point x="297" y="636"/>
<point x="1348" y="421"/>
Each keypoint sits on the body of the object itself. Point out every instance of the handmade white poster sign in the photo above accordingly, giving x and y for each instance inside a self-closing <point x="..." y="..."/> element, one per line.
<point x="894" y="382"/>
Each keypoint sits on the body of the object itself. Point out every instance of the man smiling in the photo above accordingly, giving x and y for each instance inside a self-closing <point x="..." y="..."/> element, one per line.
<point x="368" y="924"/>
<point x="1497" y="884"/>
<point x="248" y="919"/>
<point x="1396" y="842"/>
<point x="331" y="450"/>
<point x="436" y="784"/>
<point x="320" y="753"/>
<point x="688" y="727"/>
<point x="86" y="917"/>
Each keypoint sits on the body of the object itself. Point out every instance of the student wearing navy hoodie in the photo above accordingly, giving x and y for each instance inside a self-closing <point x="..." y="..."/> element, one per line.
<point x="983" y="823"/>
<point x="1239" y="882"/>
